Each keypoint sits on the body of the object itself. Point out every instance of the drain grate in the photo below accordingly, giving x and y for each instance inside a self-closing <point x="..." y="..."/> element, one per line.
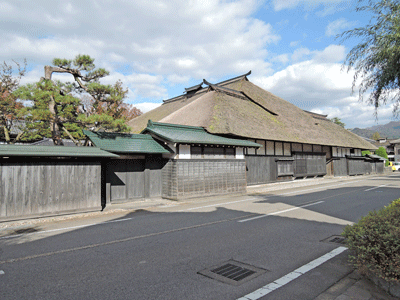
<point x="336" y="239"/>
<point x="232" y="272"/>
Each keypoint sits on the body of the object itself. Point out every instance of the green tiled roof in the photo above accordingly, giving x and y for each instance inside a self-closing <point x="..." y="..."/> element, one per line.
<point x="124" y="142"/>
<point x="52" y="151"/>
<point x="192" y="135"/>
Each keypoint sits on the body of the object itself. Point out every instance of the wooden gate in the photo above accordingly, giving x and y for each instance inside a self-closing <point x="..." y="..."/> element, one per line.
<point x="125" y="179"/>
<point x="133" y="179"/>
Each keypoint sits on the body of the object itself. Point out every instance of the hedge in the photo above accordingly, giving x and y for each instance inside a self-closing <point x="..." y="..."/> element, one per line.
<point x="375" y="243"/>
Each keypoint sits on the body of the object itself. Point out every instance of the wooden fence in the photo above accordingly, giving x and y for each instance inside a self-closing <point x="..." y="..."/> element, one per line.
<point x="40" y="187"/>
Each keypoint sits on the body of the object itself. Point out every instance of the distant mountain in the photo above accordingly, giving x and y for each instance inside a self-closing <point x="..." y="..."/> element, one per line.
<point x="390" y="130"/>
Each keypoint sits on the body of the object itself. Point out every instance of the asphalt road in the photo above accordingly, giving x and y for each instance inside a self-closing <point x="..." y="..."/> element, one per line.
<point x="157" y="253"/>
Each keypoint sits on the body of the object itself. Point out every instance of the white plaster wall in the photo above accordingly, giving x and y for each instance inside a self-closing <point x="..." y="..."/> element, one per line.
<point x="251" y="151"/>
<point x="184" y="152"/>
<point x="286" y="149"/>
<point x="170" y="155"/>
<point x="261" y="150"/>
<point x="270" y="148"/>
<point x="239" y="153"/>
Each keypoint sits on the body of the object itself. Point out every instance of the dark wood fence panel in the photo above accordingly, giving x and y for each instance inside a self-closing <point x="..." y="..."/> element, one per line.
<point x="309" y="164"/>
<point x="126" y="179"/>
<point x="357" y="167"/>
<point x="46" y="187"/>
<point x="340" y="167"/>
<point x="261" y="169"/>
<point x="379" y="167"/>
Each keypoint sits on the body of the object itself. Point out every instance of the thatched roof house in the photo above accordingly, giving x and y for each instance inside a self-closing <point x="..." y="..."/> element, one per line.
<point x="239" y="108"/>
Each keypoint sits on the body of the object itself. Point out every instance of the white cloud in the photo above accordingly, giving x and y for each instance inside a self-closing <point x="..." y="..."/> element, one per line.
<point x="332" y="53"/>
<point x="195" y="39"/>
<point x="338" y="26"/>
<point x="146" y="106"/>
<point x="174" y="78"/>
<point x="319" y="84"/>
<point x="299" y="54"/>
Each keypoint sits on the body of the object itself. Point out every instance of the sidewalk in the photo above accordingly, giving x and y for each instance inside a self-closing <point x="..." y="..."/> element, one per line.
<point x="355" y="287"/>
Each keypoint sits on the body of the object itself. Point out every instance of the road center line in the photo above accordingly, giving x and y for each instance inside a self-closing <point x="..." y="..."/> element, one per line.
<point x="280" y="212"/>
<point x="261" y="292"/>
<point x="128" y="239"/>
<point x="377" y="187"/>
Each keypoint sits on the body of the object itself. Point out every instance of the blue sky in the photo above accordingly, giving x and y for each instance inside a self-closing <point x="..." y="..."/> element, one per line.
<point x="159" y="47"/>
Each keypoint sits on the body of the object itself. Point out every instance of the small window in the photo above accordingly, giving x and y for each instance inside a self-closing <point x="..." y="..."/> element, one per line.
<point x="285" y="168"/>
<point x="230" y="152"/>
<point x="195" y="152"/>
<point x="219" y="152"/>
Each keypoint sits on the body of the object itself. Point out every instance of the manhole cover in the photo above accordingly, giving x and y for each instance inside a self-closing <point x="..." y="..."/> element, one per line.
<point x="232" y="272"/>
<point x="336" y="239"/>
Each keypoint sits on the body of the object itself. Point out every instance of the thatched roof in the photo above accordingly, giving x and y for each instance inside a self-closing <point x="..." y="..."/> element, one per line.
<point x="240" y="108"/>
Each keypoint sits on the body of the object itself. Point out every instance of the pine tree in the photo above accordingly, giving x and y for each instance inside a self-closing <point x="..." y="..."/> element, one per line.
<point x="9" y="104"/>
<point x="64" y="109"/>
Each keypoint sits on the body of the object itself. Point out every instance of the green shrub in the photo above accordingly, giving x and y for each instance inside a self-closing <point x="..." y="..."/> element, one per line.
<point x="365" y="152"/>
<point x="375" y="242"/>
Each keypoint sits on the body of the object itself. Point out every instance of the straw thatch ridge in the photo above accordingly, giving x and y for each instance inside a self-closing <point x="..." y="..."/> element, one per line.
<point x="171" y="105"/>
<point x="259" y="115"/>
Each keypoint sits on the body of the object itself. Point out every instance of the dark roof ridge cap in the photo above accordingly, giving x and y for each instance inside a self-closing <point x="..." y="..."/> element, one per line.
<point x="203" y="89"/>
<point x="218" y="87"/>
<point x="234" y="78"/>
<point x="174" y="98"/>
<point x="118" y="134"/>
<point x="194" y="88"/>
<point x="160" y="124"/>
<point x="313" y="113"/>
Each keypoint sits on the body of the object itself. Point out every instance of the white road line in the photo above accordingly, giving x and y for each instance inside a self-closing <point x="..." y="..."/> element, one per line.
<point x="374" y="188"/>
<point x="280" y="212"/>
<point x="261" y="292"/>
<point x="2" y="272"/>
<point x="65" y="228"/>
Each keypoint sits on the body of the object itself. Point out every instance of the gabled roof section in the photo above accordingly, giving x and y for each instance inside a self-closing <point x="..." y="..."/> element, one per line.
<point x="237" y="94"/>
<point x="125" y="143"/>
<point x="173" y="104"/>
<point x="52" y="151"/>
<point x="225" y="90"/>
<point x="192" y="135"/>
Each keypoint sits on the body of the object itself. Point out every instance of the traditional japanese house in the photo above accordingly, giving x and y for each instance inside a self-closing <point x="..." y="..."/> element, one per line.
<point x="295" y="143"/>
